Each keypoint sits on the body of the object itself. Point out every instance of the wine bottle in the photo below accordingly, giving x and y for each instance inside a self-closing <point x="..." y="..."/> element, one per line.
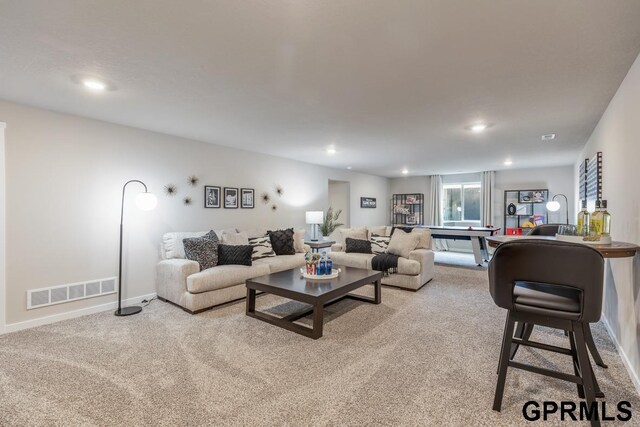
<point x="584" y="220"/>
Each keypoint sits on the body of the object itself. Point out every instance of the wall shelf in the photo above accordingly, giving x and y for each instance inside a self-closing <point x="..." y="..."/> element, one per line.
<point x="407" y="209"/>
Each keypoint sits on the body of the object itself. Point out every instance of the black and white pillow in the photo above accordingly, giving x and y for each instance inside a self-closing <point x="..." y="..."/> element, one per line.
<point x="234" y="254"/>
<point x="379" y="244"/>
<point x="261" y="247"/>
<point x="358" y="246"/>
<point x="203" y="250"/>
<point x="282" y="241"/>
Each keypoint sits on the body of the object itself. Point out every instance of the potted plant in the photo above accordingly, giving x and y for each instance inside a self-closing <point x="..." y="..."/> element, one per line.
<point x="330" y="222"/>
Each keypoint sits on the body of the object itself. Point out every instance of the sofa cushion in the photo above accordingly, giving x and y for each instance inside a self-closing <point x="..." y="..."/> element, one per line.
<point x="425" y="237"/>
<point x="282" y="262"/>
<point x="410" y="267"/>
<point x="261" y="247"/>
<point x="172" y="245"/>
<point x="234" y="238"/>
<point x="357" y="246"/>
<point x="351" y="260"/>
<point x="234" y="254"/>
<point x="254" y="232"/>
<point x="354" y="233"/>
<point x="382" y="230"/>
<point x="223" y="276"/>
<point x="402" y="243"/>
<point x="203" y="250"/>
<point x="379" y="244"/>
<point x="298" y="240"/>
<point x="282" y="241"/>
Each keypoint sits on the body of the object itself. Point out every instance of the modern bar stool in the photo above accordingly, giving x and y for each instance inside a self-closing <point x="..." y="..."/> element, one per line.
<point x="554" y="284"/>
<point x="544" y="230"/>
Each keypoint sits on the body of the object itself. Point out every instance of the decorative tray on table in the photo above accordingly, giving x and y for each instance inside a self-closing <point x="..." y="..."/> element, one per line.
<point x="604" y="240"/>
<point x="333" y="275"/>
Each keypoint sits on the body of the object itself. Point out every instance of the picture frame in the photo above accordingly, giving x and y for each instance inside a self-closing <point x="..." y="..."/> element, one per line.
<point x="368" y="202"/>
<point x="247" y="198"/>
<point x="230" y="198"/>
<point x="211" y="196"/>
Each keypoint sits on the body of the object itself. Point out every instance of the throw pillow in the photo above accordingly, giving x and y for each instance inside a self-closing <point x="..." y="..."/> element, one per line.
<point x="298" y="240"/>
<point x="354" y="233"/>
<point x="282" y="241"/>
<point x="402" y="243"/>
<point x="380" y="231"/>
<point x="203" y="250"/>
<point x="261" y="248"/>
<point x="425" y="237"/>
<point x="234" y="254"/>
<point x="379" y="244"/>
<point x="235" y="238"/>
<point x="357" y="246"/>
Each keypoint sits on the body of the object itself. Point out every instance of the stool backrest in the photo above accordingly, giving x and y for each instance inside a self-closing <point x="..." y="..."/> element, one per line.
<point x="551" y="262"/>
<point x="544" y="230"/>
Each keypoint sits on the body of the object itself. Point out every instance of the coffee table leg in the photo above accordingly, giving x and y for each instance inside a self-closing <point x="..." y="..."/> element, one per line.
<point x="377" y="286"/>
<point x="251" y="300"/>
<point x="318" y="320"/>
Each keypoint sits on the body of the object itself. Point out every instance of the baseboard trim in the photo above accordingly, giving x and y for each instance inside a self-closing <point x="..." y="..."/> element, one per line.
<point x="46" y="320"/>
<point x="625" y="360"/>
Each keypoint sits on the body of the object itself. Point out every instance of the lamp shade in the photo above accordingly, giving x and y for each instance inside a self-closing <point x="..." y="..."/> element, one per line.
<point x="146" y="201"/>
<point x="553" y="205"/>
<point x="314" y="217"/>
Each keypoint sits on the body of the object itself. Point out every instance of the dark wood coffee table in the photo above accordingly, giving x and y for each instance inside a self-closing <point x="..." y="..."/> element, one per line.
<point x="318" y="293"/>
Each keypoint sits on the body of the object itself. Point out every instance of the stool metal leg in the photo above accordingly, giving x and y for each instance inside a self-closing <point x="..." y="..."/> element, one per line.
<point x="585" y="367"/>
<point x="504" y="362"/>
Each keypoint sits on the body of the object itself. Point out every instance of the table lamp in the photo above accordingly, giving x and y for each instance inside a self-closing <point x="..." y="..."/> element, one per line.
<point x="314" y="218"/>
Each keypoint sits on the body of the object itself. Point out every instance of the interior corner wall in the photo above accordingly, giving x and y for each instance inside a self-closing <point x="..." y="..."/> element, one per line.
<point x="559" y="180"/>
<point x="64" y="177"/>
<point x="617" y="135"/>
<point x="2" y="228"/>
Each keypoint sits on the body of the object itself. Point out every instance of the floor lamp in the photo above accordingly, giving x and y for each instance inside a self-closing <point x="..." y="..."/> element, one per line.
<point x="554" y="205"/>
<point x="145" y="201"/>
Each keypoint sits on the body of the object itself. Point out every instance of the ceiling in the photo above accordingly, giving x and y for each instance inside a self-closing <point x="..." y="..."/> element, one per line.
<point x="391" y="84"/>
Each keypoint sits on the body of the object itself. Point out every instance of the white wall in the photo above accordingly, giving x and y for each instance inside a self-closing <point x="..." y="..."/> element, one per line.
<point x="557" y="179"/>
<point x="2" y="227"/>
<point x="617" y="135"/>
<point x="340" y="199"/>
<point x="64" y="176"/>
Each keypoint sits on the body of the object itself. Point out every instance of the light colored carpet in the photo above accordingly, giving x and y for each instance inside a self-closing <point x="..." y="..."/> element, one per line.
<point x="459" y="259"/>
<point x="423" y="358"/>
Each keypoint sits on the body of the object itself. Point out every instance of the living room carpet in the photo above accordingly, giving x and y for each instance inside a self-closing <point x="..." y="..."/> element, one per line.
<point x="419" y="358"/>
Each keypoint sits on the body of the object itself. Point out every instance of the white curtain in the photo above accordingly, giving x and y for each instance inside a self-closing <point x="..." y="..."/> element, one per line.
<point x="488" y="181"/>
<point x="435" y="207"/>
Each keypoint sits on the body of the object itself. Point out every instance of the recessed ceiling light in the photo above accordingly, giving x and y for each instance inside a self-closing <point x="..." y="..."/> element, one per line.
<point x="479" y="127"/>
<point x="549" y="137"/>
<point x="94" y="85"/>
<point x="405" y="171"/>
<point x="349" y="167"/>
<point x="508" y="162"/>
<point x="331" y="150"/>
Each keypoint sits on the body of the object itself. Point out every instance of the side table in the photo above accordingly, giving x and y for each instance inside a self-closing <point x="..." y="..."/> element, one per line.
<point x="316" y="245"/>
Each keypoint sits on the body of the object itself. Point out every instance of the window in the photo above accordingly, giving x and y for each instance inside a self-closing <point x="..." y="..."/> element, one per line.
<point x="461" y="202"/>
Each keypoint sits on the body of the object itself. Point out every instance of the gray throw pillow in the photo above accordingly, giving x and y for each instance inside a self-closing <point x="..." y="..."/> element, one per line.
<point x="203" y="250"/>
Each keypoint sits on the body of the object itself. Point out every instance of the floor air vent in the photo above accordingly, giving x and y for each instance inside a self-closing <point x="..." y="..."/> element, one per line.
<point x="72" y="292"/>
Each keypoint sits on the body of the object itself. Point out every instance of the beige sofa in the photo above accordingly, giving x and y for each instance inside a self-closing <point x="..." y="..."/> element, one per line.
<point x="180" y="281"/>
<point x="413" y="272"/>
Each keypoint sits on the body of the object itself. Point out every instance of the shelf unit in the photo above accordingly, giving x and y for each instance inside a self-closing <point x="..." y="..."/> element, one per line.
<point x="407" y="209"/>
<point x="530" y="206"/>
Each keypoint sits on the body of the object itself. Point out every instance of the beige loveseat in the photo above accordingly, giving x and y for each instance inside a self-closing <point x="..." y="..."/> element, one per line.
<point x="181" y="282"/>
<point x="413" y="272"/>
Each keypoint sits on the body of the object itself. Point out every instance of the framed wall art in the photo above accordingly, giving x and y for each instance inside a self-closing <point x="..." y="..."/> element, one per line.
<point x="230" y="198"/>
<point x="211" y="196"/>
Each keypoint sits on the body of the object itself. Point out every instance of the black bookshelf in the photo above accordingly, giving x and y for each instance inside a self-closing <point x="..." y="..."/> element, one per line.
<point x="407" y="209"/>
<point x="529" y="206"/>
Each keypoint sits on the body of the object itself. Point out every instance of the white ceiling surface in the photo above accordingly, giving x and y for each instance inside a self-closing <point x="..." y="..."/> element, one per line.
<point x="391" y="83"/>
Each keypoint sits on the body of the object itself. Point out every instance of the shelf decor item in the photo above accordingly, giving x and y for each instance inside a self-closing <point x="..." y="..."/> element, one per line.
<point x="145" y="201"/>
<point x="407" y="209"/>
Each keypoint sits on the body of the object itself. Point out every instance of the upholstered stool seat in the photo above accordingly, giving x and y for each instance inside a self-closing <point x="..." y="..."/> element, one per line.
<point x="543" y="299"/>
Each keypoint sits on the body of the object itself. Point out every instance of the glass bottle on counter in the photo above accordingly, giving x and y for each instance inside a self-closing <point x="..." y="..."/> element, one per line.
<point x="597" y="219"/>
<point x="606" y="220"/>
<point x="584" y="220"/>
